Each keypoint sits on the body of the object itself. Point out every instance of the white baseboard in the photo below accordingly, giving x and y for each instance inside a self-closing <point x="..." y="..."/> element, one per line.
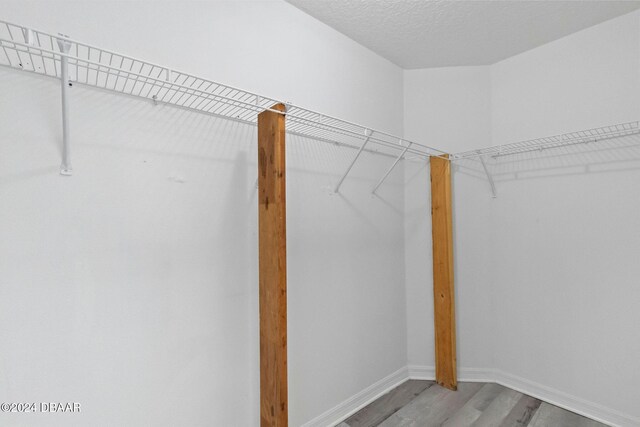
<point x="417" y="372"/>
<point x="476" y="375"/>
<point x="555" y="397"/>
<point x="358" y="401"/>
<point x="567" y="401"/>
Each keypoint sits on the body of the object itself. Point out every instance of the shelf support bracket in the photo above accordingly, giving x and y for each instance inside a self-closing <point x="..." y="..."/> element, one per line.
<point x="391" y="168"/>
<point x="367" y="134"/>
<point x="65" y="45"/>
<point x="489" y="177"/>
<point x="27" y="33"/>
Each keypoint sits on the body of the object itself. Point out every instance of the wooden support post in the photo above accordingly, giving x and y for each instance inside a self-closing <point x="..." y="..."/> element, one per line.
<point x="443" y="296"/>
<point x="274" y="408"/>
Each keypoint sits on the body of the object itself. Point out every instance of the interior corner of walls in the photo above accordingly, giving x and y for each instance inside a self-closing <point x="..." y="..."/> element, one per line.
<point x="566" y="401"/>
<point x="421" y="372"/>
<point x="359" y="400"/>
<point x="550" y="395"/>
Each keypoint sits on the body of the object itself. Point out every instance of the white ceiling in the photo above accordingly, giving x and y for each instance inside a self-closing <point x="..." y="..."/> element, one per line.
<point x="437" y="33"/>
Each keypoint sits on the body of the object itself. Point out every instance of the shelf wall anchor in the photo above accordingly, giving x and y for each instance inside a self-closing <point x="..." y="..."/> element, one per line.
<point x="494" y="194"/>
<point x="64" y="45"/>
<point x="391" y="168"/>
<point x="367" y="134"/>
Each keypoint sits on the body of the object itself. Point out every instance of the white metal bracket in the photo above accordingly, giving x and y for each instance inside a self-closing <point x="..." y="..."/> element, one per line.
<point x="367" y="134"/>
<point x="489" y="177"/>
<point x="167" y="78"/>
<point x="64" y="45"/>
<point x="28" y="35"/>
<point x="391" y="168"/>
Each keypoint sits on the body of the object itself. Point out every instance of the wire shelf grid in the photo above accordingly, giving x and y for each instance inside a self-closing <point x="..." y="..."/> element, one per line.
<point x="41" y="53"/>
<point x="555" y="141"/>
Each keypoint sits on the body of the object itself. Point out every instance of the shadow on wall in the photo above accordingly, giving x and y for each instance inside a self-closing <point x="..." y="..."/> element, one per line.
<point x="98" y="119"/>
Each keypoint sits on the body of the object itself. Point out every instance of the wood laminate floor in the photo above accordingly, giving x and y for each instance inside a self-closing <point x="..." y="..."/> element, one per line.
<point x="426" y="404"/>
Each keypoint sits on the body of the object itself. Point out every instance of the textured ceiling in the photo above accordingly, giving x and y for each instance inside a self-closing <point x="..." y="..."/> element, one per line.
<point x="422" y="34"/>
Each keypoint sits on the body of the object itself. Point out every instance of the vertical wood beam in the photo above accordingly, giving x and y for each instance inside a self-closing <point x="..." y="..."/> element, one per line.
<point x="272" y="220"/>
<point x="443" y="292"/>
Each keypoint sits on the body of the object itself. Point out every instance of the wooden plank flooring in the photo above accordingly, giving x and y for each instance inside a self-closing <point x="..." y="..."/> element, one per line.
<point x="425" y="404"/>
<point x="387" y="405"/>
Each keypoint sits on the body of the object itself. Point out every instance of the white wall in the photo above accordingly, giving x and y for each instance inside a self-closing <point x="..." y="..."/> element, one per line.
<point x="556" y="251"/>
<point x="566" y="235"/>
<point x="135" y="294"/>
<point x="449" y="107"/>
<point x="588" y="79"/>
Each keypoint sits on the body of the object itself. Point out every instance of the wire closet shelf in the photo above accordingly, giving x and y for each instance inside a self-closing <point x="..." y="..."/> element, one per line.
<point x="555" y="141"/>
<point x="38" y="52"/>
